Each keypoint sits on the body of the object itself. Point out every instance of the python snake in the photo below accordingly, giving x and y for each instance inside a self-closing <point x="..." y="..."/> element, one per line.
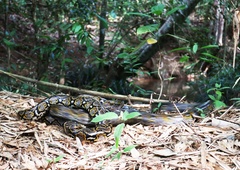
<point x="75" y="115"/>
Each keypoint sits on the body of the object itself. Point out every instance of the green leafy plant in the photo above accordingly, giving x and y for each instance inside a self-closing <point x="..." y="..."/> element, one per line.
<point x="225" y="75"/>
<point x="118" y="131"/>
<point x="55" y="160"/>
<point x="216" y="96"/>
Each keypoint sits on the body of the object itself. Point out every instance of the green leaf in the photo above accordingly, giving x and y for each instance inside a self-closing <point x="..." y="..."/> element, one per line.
<point x="217" y="85"/>
<point x="105" y="116"/>
<point x="211" y="97"/>
<point x="180" y="49"/>
<point x="195" y="48"/>
<point x="65" y="26"/>
<point x="76" y="28"/>
<point x="176" y="9"/>
<point x="129" y="148"/>
<point x="118" y="155"/>
<point x="206" y="59"/>
<point x="8" y="43"/>
<point x="224" y="88"/>
<point x="117" y="133"/>
<point x="105" y="22"/>
<point x="219" y="104"/>
<point x="57" y="159"/>
<point x="219" y="95"/>
<point x="211" y="56"/>
<point x="184" y="59"/>
<point x="209" y="46"/>
<point x="132" y="115"/>
<point x="147" y="28"/>
<point x="112" y="150"/>
<point x="155" y="109"/>
<point x="211" y="89"/>
<point x="158" y="9"/>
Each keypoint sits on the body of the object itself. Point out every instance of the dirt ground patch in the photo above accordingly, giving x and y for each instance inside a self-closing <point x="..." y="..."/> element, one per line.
<point x="213" y="143"/>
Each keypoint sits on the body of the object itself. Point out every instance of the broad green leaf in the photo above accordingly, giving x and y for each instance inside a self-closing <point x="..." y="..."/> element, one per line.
<point x="211" y="97"/>
<point x="117" y="133"/>
<point x="195" y="48"/>
<point x="105" y="22"/>
<point x="147" y="28"/>
<point x="151" y="41"/>
<point x="105" y="116"/>
<point x="8" y="43"/>
<point x="158" y="9"/>
<point x="76" y="28"/>
<point x="219" y="104"/>
<point x="217" y="85"/>
<point x="132" y="115"/>
<point x="128" y="148"/>
<point x="184" y="59"/>
<point x="219" y="95"/>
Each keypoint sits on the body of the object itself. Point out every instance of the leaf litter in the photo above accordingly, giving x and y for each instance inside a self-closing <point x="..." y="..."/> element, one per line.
<point x="206" y="144"/>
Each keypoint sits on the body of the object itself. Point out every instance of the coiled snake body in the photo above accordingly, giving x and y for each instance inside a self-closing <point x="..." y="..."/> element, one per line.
<point x="75" y="115"/>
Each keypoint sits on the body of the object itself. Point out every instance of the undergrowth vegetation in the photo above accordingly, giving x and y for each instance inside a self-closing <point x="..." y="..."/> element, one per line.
<point x="92" y="44"/>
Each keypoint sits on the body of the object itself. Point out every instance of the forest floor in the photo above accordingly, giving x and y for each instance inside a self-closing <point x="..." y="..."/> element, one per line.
<point x="213" y="143"/>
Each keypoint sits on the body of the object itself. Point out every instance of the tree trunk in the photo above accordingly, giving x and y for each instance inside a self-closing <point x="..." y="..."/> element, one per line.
<point x="146" y="51"/>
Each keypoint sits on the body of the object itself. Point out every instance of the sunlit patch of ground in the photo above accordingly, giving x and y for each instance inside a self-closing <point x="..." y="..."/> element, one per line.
<point x="211" y="144"/>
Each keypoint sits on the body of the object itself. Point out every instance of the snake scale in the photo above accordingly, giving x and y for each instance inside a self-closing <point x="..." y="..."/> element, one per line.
<point x="74" y="114"/>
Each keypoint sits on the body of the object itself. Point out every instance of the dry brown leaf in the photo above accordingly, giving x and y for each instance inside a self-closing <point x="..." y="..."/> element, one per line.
<point x="203" y="155"/>
<point x="17" y="138"/>
<point x="164" y="152"/>
<point x="134" y="153"/>
<point x="224" y="124"/>
<point x="221" y="163"/>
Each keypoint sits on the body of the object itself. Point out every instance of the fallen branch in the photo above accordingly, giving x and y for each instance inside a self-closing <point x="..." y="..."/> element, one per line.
<point x="84" y="91"/>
